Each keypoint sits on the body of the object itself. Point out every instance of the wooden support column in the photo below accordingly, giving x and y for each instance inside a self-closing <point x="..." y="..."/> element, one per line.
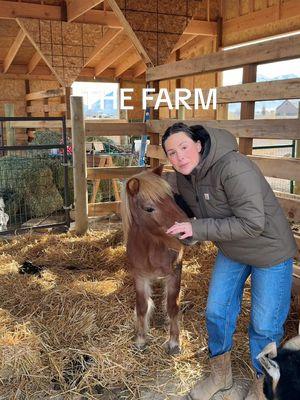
<point x="180" y="114"/>
<point x="247" y="108"/>
<point x="79" y="166"/>
<point x="297" y="155"/>
<point x="29" y="132"/>
<point x="154" y="138"/>
<point x="10" y="132"/>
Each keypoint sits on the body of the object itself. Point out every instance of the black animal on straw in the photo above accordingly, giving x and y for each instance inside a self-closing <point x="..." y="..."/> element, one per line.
<point x="282" y="370"/>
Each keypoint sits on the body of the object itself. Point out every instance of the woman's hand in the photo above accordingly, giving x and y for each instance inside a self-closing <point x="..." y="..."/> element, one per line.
<point x="185" y="228"/>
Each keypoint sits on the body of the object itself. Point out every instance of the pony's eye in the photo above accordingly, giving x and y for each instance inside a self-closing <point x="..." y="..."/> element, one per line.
<point x="149" y="209"/>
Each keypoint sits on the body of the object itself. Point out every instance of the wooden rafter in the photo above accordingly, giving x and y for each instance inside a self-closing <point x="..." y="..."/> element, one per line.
<point x="104" y="42"/>
<point x="183" y="40"/>
<point x="129" y="61"/>
<point x="113" y="57"/>
<point x="13" y="9"/>
<point x="203" y="28"/>
<point x="75" y="8"/>
<point x="129" y="30"/>
<point x="13" y="50"/>
<point x="35" y="59"/>
<point x="139" y="69"/>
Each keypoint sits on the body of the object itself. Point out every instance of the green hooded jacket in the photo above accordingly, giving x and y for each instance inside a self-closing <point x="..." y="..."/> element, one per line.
<point x="235" y="207"/>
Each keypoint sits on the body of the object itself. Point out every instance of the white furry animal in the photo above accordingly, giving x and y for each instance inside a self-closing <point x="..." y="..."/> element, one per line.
<point x="3" y="216"/>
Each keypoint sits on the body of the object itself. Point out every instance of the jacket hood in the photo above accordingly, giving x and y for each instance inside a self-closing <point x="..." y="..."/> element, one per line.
<point x="221" y="143"/>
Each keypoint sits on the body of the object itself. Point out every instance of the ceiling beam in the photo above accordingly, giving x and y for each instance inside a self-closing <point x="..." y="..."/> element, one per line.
<point x="104" y="42"/>
<point x="75" y="8"/>
<point x="127" y="63"/>
<point x="35" y="59"/>
<point x="183" y="40"/>
<point x="203" y="28"/>
<point x="137" y="44"/>
<point x="113" y="57"/>
<point x="139" y="69"/>
<point x="15" y="9"/>
<point x="13" y="50"/>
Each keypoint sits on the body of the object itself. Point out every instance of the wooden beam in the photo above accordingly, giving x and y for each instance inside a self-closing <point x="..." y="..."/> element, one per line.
<point x="113" y="57"/>
<point x="273" y="50"/>
<point x="259" y="129"/>
<point x="13" y="50"/>
<point x="263" y="17"/>
<point x="45" y="94"/>
<point x="291" y="205"/>
<point x="99" y="209"/>
<point x="139" y="69"/>
<point x="114" y="128"/>
<point x="75" y="8"/>
<point x="127" y="63"/>
<point x="247" y="108"/>
<point x="137" y="44"/>
<point x="106" y="40"/>
<point x="35" y="59"/>
<point x="278" y="167"/>
<point x="274" y="167"/>
<point x="113" y="172"/>
<point x="12" y="10"/>
<point x="202" y="28"/>
<point x="183" y="40"/>
<point x="46" y="108"/>
<point x="257" y="91"/>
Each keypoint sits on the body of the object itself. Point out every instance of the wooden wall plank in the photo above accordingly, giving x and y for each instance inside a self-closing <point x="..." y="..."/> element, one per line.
<point x="114" y="129"/>
<point x="99" y="209"/>
<point x="112" y="172"/>
<point x="278" y="167"/>
<point x="264" y="129"/>
<point x="273" y="50"/>
<point x="13" y="50"/>
<point x="291" y="205"/>
<point x="258" y="91"/>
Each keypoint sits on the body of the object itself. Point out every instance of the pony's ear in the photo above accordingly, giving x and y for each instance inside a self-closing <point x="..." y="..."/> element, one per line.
<point x="158" y="170"/>
<point x="133" y="186"/>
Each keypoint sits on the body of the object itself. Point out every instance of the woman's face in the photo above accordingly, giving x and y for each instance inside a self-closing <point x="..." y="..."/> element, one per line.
<point x="182" y="152"/>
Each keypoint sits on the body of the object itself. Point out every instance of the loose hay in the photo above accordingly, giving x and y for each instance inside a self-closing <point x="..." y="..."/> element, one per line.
<point x="70" y="332"/>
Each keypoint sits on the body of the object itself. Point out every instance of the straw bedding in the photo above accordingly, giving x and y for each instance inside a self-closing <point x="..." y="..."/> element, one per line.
<point x="68" y="334"/>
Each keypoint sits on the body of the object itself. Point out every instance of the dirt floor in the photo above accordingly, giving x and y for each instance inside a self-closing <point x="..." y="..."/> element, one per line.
<point x="66" y="328"/>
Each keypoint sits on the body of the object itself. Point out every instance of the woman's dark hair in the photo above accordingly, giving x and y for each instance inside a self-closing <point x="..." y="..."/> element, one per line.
<point x="195" y="132"/>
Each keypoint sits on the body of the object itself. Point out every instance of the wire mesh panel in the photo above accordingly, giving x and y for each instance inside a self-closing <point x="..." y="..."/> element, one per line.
<point x="35" y="184"/>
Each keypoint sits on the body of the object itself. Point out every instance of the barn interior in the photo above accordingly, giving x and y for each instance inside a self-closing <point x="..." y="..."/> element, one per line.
<point x="67" y="327"/>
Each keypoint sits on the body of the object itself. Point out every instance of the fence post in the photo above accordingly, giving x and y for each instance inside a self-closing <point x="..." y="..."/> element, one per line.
<point x="79" y="166"/>
<point x="10" y="132"/>
<point x="297" y="155"/>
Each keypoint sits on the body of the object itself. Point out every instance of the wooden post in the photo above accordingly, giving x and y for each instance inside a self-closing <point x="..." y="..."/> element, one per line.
<point x="247" y="108"/>
<point x="154" y="138"/>
<point x="79" y="166"/>
<point x="10" y="132"/>
<point x="297" y="155"/>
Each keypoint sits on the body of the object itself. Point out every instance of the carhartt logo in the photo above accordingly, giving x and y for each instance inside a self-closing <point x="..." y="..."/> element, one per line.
<point x="206" y="196"/>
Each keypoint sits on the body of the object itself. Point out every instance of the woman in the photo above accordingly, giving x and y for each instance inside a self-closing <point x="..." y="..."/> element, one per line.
<point x="234" y="207"/>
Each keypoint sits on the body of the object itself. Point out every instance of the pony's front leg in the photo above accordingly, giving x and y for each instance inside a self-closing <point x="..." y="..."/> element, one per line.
<point x="172" y="290"/>
<point x="142" y="310"/>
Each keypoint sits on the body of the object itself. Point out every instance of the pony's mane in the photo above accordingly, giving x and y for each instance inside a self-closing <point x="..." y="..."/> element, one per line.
<point x="151" y="187"/>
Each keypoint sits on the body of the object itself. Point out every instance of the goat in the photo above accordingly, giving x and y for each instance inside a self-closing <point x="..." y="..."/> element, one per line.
<point x="282" y="370"/>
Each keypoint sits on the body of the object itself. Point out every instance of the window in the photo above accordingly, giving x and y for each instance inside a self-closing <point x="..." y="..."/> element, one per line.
<point x="100" y="100"/>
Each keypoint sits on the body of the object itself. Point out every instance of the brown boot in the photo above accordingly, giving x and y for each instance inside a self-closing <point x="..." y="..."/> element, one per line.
<point x="220" y="379"/>
<point x="256" y="390"/>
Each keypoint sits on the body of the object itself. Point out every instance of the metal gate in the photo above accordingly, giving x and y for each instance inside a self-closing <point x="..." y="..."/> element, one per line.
<point x="34" y="181"/>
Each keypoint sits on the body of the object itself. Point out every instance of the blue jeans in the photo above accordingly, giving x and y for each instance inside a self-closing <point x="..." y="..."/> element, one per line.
<point x="270" y="303"/>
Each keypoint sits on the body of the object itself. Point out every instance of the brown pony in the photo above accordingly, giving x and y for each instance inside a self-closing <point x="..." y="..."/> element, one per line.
<point x="148" y="210"/>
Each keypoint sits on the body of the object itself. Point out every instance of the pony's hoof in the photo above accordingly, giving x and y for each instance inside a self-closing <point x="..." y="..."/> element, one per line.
<point x="140" y="345"/>
<point x="172" y="349"/>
